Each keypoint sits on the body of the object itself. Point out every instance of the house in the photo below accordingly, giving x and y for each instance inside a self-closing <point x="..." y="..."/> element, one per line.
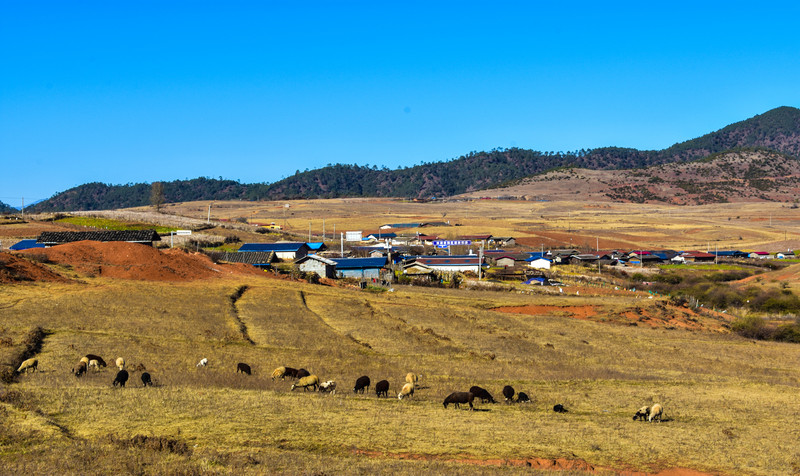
<point x="389" y="226"/>
<point x="285" y="251"/>
<point x="378" y="236"/>
<point x="316" y="247"/>
<point x="759" y="255"/>
<point x="260" y="259"/>
<point x="485" y="238"/>
<point x="539" y="263"/>
<point x="509" y="260"/>
<point x="324" y="267"/>
<point x="447" y="264"/>
<point x="53" y="238"/>
<point x="26" y="245"/>
<point x="504" y="241"/>
<point x="369" y="268"/>
<point x="424" y="240"/>
<point x="562" y="256"/>
<point x="698" y="256"/>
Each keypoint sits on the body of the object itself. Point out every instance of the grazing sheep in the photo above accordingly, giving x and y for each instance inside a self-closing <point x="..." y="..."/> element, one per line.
<point x="99" y="359"/>
<point x="655" y="413"/>
<point x="382" y="388"/>
<point x="121" y="378"/>
<point x="280" y="372"/>
<point x="508" y="392"/>
<point x="120" y="363"/>
<point x="95" y="365"/>
<point x="203" y="362"/>
<point x="559" y="408"/>
<point x="81" y="369"/>
<point x="302" y="373"/>
<point x="30" y="364"/>
<point x="243" y="368"/>
<point x="523" y="397"/>
<point x="482" y="394"/>
<point x="85" y="360"/>
<point x="307" y="381"/>
<point x="406" y="391"/>
<point x="362" y="383"/>
<point x="146" y="380"/>
<point x="413" y="378"/>
<point x="291" y="373"/>
<point x="328" y="387"/>
<point x="458" y="398"/>
<point x="641" y="414"/>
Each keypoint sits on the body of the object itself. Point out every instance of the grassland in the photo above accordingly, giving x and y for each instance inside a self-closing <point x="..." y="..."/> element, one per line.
<point x="730" y="403"/>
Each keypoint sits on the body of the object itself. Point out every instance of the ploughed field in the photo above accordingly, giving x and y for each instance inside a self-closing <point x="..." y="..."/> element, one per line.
<point x="730" y="404"/>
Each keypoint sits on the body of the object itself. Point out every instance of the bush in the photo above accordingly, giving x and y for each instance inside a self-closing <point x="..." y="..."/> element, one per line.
<point x="752" y="327"/>
<point x="788" y="333"/>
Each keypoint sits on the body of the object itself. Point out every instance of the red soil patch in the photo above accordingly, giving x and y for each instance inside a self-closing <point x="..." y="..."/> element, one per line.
<point x="139" y="262"/>
<point x="557" y="464"/>
<point x="660" y="315"/>
<point x="15" y="269"/>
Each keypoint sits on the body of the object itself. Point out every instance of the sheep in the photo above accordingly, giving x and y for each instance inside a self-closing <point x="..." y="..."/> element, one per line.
<point x="508" y="392"/>
<point x="559" y="408"/>
<point x="243" y="368"/>
<point x="655" y="413"/>
<point x="457" y="398"/>
<point x="328" y="387"/>
<point x="406" y="391"/>
<point x="523" y="397"/>
<point x="120" y="363"/>
<point x="30" y="364"/>
<point x="307" y="381"/>
<point x="382" y="388"/>
<point x="203" y="362"/>
<point x="413" y="378"/>
<point x="641" y="414"/>
<point x="121" y="378"/>
<point x="95" y="365"/>
<point x="99" y="359"/>
<point x="482" y="394"/>
<point x="83" y="365"/>
<point x="280" y="372"/>
<point x="362" y="383"/>
<point x="146" y="380"/>
<point x="302" y="373"/>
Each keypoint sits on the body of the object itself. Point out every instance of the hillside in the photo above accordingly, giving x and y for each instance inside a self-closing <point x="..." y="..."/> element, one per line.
<point x="778" y="130"/>
<point x="735" y="176"/>
<point x="6" y="208"/>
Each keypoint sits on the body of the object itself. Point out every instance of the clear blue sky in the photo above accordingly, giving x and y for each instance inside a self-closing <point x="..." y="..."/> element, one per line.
<point x="124" y="92"/>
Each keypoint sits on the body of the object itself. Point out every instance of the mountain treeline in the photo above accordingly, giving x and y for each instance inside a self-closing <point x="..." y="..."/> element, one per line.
<point x="777" y="129"/>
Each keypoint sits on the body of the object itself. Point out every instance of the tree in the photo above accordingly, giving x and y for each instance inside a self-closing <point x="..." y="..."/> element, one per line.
<point x="157" y="195"/>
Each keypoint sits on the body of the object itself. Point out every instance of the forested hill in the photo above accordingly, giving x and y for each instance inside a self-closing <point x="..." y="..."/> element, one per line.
<point x="6" y="208"/>
<point x="777" y="129"/>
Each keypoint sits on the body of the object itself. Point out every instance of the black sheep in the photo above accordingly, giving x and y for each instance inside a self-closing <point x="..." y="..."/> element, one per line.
<point x="457" y="398"/>
<point x="482" y="394"/>
<point x="362" y="383"/>
<point x="290" y="372"/>
<point x="382" y="388"/>
<point x="302" y="373"/>
<point x="80" y="370"/>
<point x="523" y="397"/>
<point x="121" y="378"/>
<point x="508" y="392"/>
<point x="559" y="408"/>
<point x="146" y="380"/>
<point x="244" y="368"/>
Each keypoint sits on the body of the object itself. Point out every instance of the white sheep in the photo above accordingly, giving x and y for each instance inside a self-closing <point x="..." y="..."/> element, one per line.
<point x="30" y="364"/>
<point x="120" y="363"/>
<point x="203" y="362"/>
<point x="413" y="378"/>
<point x="406" y="391"/>
<point x="328" y="387"/>
<point x="655" y="413"/>
<point x="95" y="365"/>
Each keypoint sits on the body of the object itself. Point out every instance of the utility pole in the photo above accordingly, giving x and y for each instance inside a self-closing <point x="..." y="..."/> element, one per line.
<point x="208" y="220"/>
<point x="341" y="241"/>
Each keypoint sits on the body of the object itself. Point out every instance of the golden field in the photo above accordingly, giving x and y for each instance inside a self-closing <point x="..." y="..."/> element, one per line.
<point x="730" y="403"/>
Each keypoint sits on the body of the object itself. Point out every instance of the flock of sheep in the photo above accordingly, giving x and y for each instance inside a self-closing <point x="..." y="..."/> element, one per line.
<point x="304" y="379"/>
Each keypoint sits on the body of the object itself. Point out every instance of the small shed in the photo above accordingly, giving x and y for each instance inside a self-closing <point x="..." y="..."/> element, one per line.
<point x="540" y="263"/>
<point x="285" y="251"/>
<point x="369" y="268"/>
<point x="324" y="267"/>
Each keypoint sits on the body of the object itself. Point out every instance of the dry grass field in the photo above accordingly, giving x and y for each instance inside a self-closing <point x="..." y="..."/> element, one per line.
<point x="730" y="403"/>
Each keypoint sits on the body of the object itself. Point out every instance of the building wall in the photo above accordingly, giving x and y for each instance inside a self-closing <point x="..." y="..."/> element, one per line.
<point x="360" y="273"/>
<point x="314" y="266"/>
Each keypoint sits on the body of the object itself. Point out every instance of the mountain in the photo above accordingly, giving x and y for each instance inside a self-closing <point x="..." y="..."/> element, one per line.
<point x="733" y="176"/>
<point x="777" y="130"/>
<point x="5" y="208"/>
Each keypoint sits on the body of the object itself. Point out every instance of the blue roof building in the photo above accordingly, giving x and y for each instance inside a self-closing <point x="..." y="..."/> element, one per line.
<point x="26" y="245"/>
<point x="359" y="267"/>
<point x="286" y="251"/>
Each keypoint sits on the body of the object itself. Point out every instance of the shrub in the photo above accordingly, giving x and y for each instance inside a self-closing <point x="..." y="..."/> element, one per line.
<point x="752" y="327"/>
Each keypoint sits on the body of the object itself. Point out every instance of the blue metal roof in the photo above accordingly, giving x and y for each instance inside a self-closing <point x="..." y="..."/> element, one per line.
<point x="359" y="263"/>
<point x="316" y="246"/>
<point x="382" y="235"/>
<point x="26" y="245"/>
<point x="277" y="247"/>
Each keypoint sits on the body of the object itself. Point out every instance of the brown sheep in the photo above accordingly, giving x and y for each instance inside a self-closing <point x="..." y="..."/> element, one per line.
<point x="459" y="398"/>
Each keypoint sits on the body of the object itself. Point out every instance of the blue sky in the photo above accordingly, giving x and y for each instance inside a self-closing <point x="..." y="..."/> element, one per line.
<point x="127" y="92"/>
